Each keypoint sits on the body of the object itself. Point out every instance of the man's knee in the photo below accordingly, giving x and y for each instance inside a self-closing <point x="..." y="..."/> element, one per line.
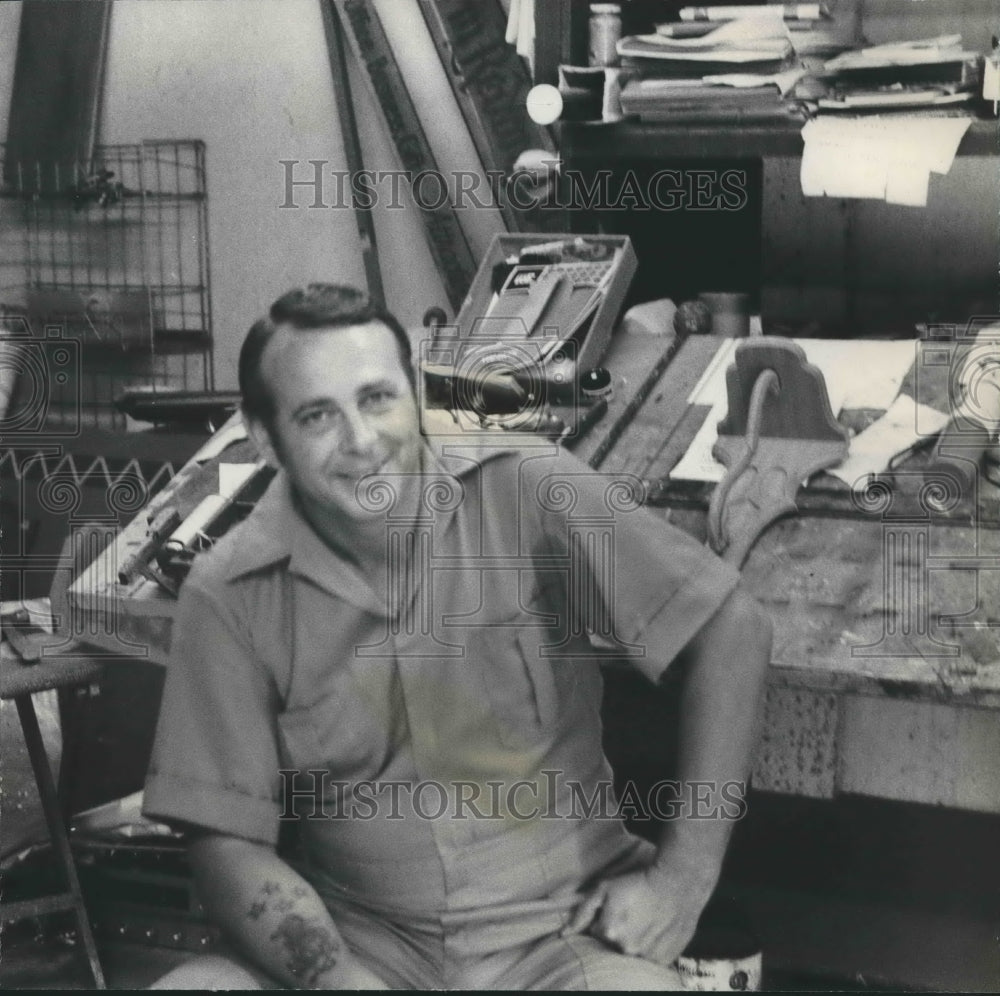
<point x="209" y="972"/>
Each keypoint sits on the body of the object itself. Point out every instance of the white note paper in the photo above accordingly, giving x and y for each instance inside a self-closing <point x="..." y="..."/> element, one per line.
<point x="876" y="157"/>
<point x="896" y="431"/>
<point x="864" y="373"/>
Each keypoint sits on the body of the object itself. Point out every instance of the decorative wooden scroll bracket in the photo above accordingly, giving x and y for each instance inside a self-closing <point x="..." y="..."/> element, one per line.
<point x="779" y="430"/>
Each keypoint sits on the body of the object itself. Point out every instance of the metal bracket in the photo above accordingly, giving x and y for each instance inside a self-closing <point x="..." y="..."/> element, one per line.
<point x="779" y="430"/>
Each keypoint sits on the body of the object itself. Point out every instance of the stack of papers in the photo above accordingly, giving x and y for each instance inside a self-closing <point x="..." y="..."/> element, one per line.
<point x="932" y="72"/>
<point x="753" y="44"/>
<point x="810" y="28"/>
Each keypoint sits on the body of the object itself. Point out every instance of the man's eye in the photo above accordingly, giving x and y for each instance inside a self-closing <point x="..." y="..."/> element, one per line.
<point x="379" y="400"/>
<point x="314" y="419"/>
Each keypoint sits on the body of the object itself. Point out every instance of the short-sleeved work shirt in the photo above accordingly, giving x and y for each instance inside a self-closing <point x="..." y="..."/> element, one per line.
<point x="442" y="737"/>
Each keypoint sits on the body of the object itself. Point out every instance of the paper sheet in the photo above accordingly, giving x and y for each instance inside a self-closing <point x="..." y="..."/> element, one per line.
<point x="872" y="449"/>
<point x="738" y="33"/>
<point x="879" y="158"/>
<point x="232" y="477"/>
<point x="862" y="373"/>
<point x="232" y="432"/>
<point x="697" y="464"/>
<point x="783" y="81"/>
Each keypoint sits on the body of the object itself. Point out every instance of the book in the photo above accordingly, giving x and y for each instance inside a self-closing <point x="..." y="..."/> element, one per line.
<point x="726" y="114"/>
<point x="799" y="11"/>
<point x="894" y="98"/>
<point x="698" y="29"/>
<point x="687" y="101"/>
<point x="638" y="95"/>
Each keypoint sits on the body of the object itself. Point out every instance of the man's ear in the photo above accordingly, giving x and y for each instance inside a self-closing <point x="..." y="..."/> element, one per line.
<point x="261" y="436"/>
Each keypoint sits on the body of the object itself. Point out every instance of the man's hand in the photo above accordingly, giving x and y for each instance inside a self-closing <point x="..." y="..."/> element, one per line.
<point x="651" y="914"/>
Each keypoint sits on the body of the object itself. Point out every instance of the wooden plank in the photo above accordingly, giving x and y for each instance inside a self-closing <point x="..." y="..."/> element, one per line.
<point x="606" y="143"/>
<point x="637" y="363"/>
<point x="490" y="83"/>
<point x="677" y="421"/>
<point x="55" y="103"/>
<point x="352" y="149"/>
<point x="797" y="753"/>
<point x="445" y="238"/>
<point x="927" y="752"/>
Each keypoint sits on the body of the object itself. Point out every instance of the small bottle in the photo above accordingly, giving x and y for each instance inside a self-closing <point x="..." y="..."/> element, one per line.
<point x="605" y="33"/>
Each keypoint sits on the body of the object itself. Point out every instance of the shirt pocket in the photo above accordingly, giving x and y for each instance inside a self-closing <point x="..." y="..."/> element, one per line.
<point x="519" y="681"/>
<point x="330" y="735"/>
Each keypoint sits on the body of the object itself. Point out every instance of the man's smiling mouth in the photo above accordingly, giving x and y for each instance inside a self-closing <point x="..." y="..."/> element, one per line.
<point x="363" y="472"/>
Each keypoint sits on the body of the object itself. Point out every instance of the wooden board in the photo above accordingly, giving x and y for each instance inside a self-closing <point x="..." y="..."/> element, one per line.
<point x="490" y="83"/>
<point x="445" y="238"/>
<point x="57" y="90"/>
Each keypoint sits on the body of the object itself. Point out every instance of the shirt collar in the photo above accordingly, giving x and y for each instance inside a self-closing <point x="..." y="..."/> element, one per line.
<point x="275" y="530"/>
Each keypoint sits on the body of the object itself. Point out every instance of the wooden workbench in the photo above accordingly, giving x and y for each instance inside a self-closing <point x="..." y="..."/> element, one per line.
<point x="870" y="692"/>
<point x="886" y="663"/>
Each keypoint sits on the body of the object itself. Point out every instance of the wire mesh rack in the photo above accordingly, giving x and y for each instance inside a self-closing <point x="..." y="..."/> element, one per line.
<point x="104" y="280"/>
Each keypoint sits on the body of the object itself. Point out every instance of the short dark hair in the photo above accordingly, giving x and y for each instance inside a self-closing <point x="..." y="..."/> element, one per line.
<point x="318" y="306"/>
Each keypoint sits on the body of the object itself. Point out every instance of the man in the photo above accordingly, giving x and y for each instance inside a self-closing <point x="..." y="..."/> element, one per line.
<point x="399" y="647"/>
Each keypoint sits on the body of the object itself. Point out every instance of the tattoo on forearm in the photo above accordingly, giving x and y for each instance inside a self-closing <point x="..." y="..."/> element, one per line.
<point x="310" y="950"/>
<point x="260" y="907"/>
<point x="266" y="899"/>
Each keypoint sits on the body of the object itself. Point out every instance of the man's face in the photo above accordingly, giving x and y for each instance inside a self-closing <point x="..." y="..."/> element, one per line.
<point x="343" y="409"/>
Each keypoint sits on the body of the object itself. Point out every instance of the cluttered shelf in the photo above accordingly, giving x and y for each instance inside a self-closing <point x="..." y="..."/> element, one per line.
<point x="745" y="81"/>
<point x="580" y="141"/>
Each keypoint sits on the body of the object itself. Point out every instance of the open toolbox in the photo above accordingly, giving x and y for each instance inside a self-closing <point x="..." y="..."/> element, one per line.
<point x="533" y="327"/>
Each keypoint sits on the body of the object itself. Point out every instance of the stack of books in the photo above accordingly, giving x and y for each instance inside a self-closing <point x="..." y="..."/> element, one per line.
<point x="709" y="101"/>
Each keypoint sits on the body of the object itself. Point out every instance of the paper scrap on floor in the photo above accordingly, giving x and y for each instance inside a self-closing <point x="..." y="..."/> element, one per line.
<point x="878" y="158"/>
<point x="861" y="373"/>
<point x="903" y="424"/>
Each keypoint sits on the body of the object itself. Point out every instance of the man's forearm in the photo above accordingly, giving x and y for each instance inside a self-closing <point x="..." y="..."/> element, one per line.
<point x="720" y="714"/>
<point x="273" y="915"/>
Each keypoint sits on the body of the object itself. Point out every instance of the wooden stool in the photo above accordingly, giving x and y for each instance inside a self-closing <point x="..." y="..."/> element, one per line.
<point x="18" y="682"/>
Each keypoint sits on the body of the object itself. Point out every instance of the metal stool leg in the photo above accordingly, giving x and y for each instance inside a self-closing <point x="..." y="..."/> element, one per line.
<point x="57" y="827"/>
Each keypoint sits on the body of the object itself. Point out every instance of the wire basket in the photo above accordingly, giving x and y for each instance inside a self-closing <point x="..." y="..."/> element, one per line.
<point x="104" y="264"/>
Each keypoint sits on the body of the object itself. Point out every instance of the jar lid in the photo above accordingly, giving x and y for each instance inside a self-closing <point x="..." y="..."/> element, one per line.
<point x="596" y="383"/>
<point x="605" y="8"/>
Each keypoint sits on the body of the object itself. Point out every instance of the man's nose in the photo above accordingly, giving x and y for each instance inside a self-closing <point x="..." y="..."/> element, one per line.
<point x="359" y="434"/>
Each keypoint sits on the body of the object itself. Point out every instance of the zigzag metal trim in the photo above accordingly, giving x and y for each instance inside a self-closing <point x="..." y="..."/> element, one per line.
<point x="66" y="464"/>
